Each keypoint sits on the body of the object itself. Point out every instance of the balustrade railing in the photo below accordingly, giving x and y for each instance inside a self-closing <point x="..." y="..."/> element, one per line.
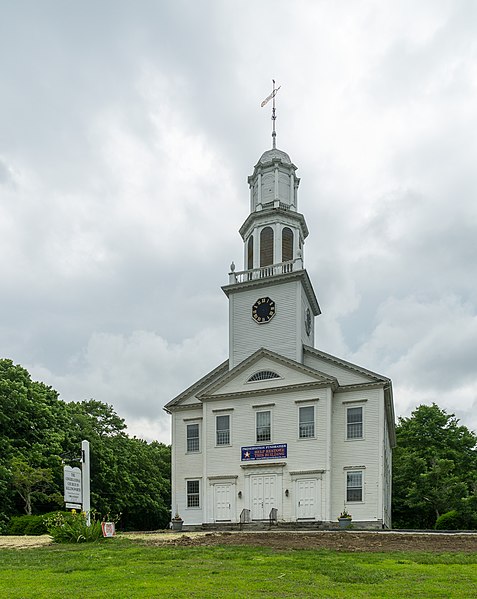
<point x="266" y="271"/>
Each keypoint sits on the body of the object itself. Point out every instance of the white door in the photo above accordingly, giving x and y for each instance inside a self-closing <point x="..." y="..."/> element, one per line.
<point x="263" y="495"/>
<point x="223" y="502"/>
<point x="306" y="499"/>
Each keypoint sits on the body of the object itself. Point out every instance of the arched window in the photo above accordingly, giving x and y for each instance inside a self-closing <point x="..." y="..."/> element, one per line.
<point x="266" y="246"/>
<point x="287" y="244"/>
<point x="250" y="253"/>
<point x="263" y="375"/>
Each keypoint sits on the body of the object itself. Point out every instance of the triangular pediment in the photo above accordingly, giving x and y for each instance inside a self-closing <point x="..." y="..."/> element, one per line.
<point x="262" y="372"/>
<point x="345" y="372"/>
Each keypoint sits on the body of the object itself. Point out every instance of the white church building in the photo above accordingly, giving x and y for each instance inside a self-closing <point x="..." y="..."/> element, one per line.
<point x="280" y="430"/>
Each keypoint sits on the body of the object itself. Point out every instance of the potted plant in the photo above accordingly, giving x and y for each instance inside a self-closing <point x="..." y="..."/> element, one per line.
<point x="177" y="522"/>
<point x="345" y="519"/>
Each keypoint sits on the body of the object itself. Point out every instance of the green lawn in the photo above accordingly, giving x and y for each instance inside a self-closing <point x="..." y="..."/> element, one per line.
<point x="125" y="568"/>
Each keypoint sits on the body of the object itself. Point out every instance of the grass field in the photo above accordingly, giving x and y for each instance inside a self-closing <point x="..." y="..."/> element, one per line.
<point x="125" y="568"/>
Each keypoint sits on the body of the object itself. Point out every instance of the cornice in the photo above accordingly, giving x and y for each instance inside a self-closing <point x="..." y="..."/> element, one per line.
<point x="278" y="280"/>
<point x="267" y="391"/>
<point x="359" y="386"/>
<point x="274" y="215"/>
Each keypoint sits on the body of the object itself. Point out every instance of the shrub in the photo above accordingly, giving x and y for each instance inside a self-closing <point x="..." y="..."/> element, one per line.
<point x="72" y="527"/>
<point x="452" y="520"/>
<point x="26" y="525"/>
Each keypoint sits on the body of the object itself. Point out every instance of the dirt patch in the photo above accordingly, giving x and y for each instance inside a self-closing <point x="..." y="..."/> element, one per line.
<point x="24" y="542"/>
<point x="335" y="540"/>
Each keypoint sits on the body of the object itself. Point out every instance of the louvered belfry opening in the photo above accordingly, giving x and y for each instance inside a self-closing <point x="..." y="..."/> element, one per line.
<point x="266" y="246"/>
<point x="250" y="253"/>
<point x="287" y="244"/>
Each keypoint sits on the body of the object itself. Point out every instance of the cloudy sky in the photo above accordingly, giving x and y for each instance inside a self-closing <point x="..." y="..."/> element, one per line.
<point x="127" y="132"/>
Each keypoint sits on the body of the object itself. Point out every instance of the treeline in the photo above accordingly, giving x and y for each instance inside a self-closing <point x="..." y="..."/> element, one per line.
<point x="39" y="433"/>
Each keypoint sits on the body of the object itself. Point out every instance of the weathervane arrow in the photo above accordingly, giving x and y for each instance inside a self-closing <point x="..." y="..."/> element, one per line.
<point x="272" y="95"/>
<point x="274" y="117"/>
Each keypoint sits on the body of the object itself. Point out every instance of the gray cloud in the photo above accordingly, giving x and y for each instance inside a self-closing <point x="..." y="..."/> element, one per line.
<point x="128" y="133"/>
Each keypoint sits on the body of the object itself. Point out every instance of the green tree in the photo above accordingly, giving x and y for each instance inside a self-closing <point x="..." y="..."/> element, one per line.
<point x="38" y="432"/>
<point x="434" y="467"/>
<point x="33" y="484"/>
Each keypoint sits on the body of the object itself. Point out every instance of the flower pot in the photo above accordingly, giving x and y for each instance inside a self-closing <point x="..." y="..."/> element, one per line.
<point x="344" y="522"/>
<point x="177" y="523"/>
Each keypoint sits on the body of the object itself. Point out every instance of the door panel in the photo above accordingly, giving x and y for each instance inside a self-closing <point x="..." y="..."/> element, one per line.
<point x="223" y="502"/>
<point x="263" y="496"/>
<point x="307" y="499"/>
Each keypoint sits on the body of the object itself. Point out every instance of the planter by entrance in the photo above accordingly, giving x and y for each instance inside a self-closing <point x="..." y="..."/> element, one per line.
<point x="344" y="522"/>
<point x="177" y="523"/>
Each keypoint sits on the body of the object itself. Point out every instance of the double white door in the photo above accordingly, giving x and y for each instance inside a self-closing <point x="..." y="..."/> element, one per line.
<point x="263" y="495"/>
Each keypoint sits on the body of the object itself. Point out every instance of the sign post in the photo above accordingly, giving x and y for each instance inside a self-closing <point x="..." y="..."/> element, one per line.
<point x="86" y="499"/>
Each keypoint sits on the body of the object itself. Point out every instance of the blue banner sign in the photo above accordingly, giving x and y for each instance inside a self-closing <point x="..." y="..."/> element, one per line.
<point x="264" y="452"/>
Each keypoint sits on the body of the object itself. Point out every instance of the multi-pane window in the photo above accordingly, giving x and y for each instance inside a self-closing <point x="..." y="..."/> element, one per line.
<point x="306" y="425"/>
<point x="193" y="438"/>
<point x="222" y="429"/>
<point x="354" y="486"/>
<point x="193" y="493"/>
<point x="354" y="423"/>
<point x="264" y="426"/>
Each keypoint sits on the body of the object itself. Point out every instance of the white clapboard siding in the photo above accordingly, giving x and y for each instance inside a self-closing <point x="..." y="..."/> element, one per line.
<point x="345" y="376"/>
<point x="279" y="334"/>
<point x="357" y="453"/>
<point x="188" y="466"/>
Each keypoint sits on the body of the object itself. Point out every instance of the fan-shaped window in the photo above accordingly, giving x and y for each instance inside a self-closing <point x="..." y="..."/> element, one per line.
<point x="266" y="246"/>
<point x="250" y="253"/>
<point x="263" y="375"/>
<point x="287" y="244"/>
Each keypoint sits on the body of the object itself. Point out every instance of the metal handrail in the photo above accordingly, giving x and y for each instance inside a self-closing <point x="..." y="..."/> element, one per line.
<point x="273" y="517"/>
<point x="244" y="516"/>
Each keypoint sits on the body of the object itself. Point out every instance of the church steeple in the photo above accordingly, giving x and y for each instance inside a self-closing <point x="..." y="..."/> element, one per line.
<point x="274" y="231"/>
<point x="272" y="303"/>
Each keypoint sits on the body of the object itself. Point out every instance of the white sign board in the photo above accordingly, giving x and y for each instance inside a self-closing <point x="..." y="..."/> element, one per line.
<point x="72" y="479"/>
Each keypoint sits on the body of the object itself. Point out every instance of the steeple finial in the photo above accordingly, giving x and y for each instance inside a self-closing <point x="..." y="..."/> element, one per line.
<point x="274" y="116"/>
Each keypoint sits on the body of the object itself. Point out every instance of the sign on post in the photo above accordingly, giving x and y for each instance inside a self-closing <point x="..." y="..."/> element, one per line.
<point x="72" y="482"/>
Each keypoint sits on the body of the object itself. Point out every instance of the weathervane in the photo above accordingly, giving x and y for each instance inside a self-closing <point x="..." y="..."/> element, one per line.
<point x="274" y="117"/>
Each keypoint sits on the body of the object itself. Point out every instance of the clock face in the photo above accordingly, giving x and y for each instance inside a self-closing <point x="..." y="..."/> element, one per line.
<point x="308" y="321"/>
<point x="263" y="310"/>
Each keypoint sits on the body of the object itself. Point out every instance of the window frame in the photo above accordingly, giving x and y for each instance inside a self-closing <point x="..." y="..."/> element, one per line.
<point x="352" y="488"/>
<point x="300" y="424"/>
<point x="269" y="426"/>
<point x="349" y="424"/>
<point x="190" y="424"/>
<point x="193" y="496"/>
<point x="229" y="429"/>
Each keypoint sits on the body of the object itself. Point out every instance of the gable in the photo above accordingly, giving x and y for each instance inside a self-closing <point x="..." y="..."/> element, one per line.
<point x="272" y="371"/>
<point x="346" y="373"/>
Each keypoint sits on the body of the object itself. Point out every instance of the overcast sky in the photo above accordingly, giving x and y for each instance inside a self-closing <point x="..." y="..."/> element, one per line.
<point x="127" y="132"/>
